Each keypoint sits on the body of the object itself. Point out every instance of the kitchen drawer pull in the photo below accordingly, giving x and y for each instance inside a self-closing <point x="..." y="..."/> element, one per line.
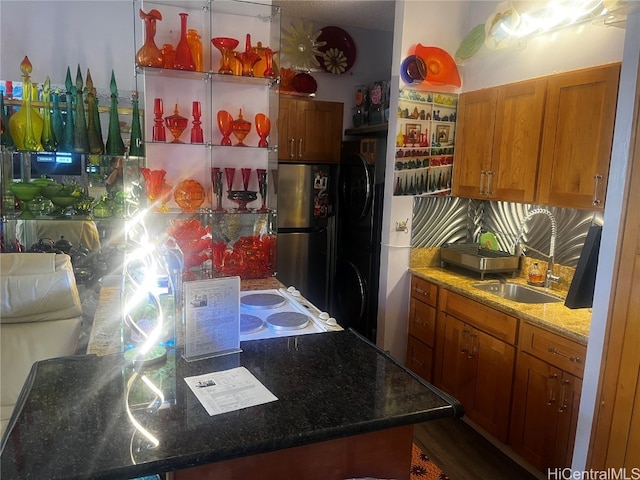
<point x="555" y="351"/>
<point x="300" y="148"/>
<point x="291" y="143"/>
<point x="421" y="291"/>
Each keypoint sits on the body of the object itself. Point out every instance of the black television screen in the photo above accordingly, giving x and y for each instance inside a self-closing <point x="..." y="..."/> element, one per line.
<point x="50" y="163"/>
<point x="580" y="293"/>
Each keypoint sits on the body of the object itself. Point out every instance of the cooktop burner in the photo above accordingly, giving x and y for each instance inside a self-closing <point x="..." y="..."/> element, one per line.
<point x="262" y="300"/>
<point x="250" y="323"/>
<point x="287" y="320"/>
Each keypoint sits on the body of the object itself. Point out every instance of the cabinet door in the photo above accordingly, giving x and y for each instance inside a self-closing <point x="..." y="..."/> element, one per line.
<point x="287" y="129"/>
<point x="455" y="372"/>
<point x="490" y="405"/>
<point x="577" y="137"/>
<point x="545" y="413"/>
<point x="474" y="142"/>
<point x="516" y="144"/>
<point x="419" y="358"/>
<point x="310" y="131"/>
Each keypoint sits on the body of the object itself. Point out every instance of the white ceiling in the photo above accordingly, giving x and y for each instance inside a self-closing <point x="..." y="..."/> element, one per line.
<point x="369" y="14"/>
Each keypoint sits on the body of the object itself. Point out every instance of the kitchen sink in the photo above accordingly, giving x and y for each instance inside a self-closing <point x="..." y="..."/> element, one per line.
<point x="517" y="292"/>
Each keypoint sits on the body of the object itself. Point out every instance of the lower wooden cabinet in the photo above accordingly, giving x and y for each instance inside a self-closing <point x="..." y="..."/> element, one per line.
<point x="519" y="382"/>
<point x="545" y="413"/>
<point x="546" y="397"/>
<point x="477" y="369"/>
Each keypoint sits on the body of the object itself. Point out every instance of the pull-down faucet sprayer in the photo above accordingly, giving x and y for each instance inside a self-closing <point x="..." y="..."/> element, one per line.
<point x="549" y="277"/>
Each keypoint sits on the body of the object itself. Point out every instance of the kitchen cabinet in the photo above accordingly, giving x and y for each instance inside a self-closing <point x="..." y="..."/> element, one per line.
<point x="545" y="141"/>
<point x="546" y="397"/>
<point x="577" y="137"/>
<point x="498" y="142"/>
<point x="475" y="359"/>
<point x="309" y="131"/>
<point x="422" y="327"/>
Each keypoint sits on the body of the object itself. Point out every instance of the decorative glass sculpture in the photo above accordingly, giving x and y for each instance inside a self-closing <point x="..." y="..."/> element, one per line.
<point x="26" y="125"/>
<point x="56" y="117"/>
<point x="176" y="124"/>
<point x="49" y="142"/>
<point x="263" y="127"/>
<point x="195" y="46"/>
<point x="67" y="138"/>
<point x="224" y="124"/>
<point x="183" y="60"/>
<point x="262" y="188"/>
<point x="168" y="55"/>
<point x="189" y="195"/>
<point x="226" y="46"/>
<point x="216" y="183"/>
<point x="159" y="134"/>
<point x="5" y="136"/>
<point x="149" y="54"/>
<point x="196" y="130"/>
<point x="115" y="144"/>
<point x="248" y="58"/>
<point x="80" y="137"/>
<point x="240" y="128"/>
<point x="96" y="146"/>
<point x="136" y="143"/>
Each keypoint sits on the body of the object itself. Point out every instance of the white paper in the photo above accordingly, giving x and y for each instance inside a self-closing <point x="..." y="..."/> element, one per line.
<point x="212" y="317"/>
<point x="229" y="390"/>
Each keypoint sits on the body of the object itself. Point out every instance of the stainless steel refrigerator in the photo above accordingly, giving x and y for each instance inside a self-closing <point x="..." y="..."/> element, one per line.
<point x="306" y="225"/>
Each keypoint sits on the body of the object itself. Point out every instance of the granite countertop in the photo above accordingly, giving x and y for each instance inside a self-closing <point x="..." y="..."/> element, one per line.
<point x="571" y="323"/>
<point x="73" y="421"/>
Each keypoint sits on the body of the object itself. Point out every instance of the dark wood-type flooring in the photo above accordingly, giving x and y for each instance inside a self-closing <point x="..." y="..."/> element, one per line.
<point x="464" y="454"/>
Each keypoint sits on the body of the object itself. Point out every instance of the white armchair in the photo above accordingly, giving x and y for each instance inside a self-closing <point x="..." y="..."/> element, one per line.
<point x="40" y="318"/>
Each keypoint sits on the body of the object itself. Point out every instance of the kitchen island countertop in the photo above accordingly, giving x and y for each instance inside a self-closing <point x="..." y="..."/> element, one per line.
<point x="74" y="420"/>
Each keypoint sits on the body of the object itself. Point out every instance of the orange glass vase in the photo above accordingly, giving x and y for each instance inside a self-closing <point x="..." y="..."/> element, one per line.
<point x="149" y="54"/>
<point x="240" y="128"/>
<point x="189" y="195"/>
<point x="226" y="46"/>
<point x="176" y="124"/>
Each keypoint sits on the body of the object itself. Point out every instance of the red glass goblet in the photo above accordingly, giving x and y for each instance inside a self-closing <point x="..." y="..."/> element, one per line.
<point x="246" y="176"/>
<point x="230" y="173"/>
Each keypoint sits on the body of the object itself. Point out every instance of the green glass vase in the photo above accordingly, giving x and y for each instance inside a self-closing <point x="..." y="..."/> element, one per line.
<point x="5" y="137"/>
<point x="80" y="136"/>
<point x="49" y="142"/>
<point x="56" y="117"/>
<point x="115" y="144"/>
<point x="94" y="135"/>
<point x="136" y="145"/>
<point x="67" y="138"/>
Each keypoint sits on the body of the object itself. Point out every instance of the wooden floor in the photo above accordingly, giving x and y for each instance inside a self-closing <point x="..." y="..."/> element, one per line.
<point x="464" y="454"/>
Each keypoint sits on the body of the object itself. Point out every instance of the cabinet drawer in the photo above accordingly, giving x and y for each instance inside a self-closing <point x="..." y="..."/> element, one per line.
<point x="487" y="319"/>
<point x="552" y="348"/>
<point x="424" y="291"/>
<point x="422" y="321"/>
<point x="419" y="358"/>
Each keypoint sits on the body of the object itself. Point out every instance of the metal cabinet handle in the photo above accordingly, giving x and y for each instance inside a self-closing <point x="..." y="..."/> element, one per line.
<point x="474" y="343"/>
<point x="550" y="385"/>
<point x="464" y="346"/>
<point x="563" y="398"/>
<point x="422" y="292"/>
<point x="291" y="154"/>
<point x="489" y="183"/>
<point x="597" y="178"/>
<point x="482" y="175"/>
<point x="571" y="358"/>
<point x="300" y="148"/>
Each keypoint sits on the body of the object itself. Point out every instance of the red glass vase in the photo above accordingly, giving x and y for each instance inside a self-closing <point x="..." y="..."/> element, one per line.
<point x="183" y="59"/>
<point x="149" y="54"/>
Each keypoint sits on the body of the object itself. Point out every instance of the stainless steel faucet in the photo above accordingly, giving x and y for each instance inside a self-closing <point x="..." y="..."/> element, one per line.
<point x="549" y="277"/>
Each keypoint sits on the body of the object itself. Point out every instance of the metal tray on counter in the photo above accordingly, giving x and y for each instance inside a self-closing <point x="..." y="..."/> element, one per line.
<point x="472" y="256"/>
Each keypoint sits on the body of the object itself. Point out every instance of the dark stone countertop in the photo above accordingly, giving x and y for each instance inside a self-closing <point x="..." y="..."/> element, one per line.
<point x="73" y="421"/>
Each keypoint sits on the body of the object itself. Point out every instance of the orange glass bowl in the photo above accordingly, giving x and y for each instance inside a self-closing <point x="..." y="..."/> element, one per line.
<point x="189" y="195"/>
<point x="226" y="46"/>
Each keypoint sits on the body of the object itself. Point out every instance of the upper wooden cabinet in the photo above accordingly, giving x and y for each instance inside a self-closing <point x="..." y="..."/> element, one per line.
<point x="577" y="137"/>
<point x="545" y="141"/>
<point x="498" y="142"/>
<point x="309" y="131"/>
